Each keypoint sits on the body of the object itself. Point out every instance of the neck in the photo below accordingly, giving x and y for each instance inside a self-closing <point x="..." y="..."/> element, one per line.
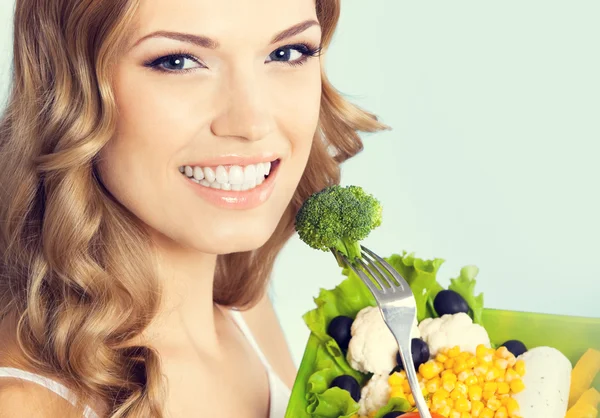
<point x="187" y="310"/>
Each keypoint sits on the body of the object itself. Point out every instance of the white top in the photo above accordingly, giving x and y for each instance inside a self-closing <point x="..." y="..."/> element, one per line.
<point x="279" y="392"/>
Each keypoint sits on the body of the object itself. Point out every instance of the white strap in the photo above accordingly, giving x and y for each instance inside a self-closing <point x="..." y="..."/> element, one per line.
<point x="49" y="384"/>
<point x="241" y="323"/>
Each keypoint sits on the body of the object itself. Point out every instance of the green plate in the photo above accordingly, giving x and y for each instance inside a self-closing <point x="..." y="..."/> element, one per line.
<point x="569" y="334"/>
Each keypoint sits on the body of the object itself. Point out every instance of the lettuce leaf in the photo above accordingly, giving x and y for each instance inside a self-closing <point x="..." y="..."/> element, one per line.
<point x="334" y="403"/>
<point x="394" y="405"/>
<point x="464" y="285"/>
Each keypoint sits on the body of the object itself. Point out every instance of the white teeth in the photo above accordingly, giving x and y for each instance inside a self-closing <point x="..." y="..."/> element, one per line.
<point x="236" y="175"/>
<point x="209" y="174"/>
<point x="260" y="172"/>
<point x="198" y="173"/>
<point x="250" y="173"/>
<point x="221" y="175"/>
<point x="236" y="178"/>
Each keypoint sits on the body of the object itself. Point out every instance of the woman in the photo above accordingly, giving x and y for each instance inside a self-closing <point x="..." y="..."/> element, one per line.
<point x="153" y="156"/>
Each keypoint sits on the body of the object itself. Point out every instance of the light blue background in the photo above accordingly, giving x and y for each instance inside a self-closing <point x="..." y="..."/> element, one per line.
<point x="493" y="159"/>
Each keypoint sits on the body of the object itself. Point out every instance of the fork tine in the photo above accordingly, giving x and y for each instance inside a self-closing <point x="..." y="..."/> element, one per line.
<point x="359" y="273"/>
<point x="373" y="271"/>
<point x="402" y="283"/>
<point x="373" y="265"/>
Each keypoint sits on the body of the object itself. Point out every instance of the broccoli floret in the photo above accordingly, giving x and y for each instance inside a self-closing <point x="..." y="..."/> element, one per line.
<point x="337" y="218"/>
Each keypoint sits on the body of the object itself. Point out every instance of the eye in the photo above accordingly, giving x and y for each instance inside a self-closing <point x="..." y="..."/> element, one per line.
<point x="293" y="54"/>
<point x="174" y="63"/>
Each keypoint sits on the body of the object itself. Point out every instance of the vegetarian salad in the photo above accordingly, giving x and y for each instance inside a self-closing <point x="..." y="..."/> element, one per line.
<point x="356" y="371"/>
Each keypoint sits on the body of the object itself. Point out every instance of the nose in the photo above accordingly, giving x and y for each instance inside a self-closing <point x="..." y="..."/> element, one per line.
<point x="244" y="110"/>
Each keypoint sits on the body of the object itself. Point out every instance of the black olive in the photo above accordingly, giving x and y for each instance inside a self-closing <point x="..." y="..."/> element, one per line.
<point x="515" y="346"/>
<point x="448" y="302"/>
<point x="349" y="384"/>
<point x="393" y="414"/>
<point x="339" y="330"/>
<point x="420" y="353"/>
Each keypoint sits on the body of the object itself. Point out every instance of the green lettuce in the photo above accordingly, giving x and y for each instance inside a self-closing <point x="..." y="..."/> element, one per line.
<point x="464" y="285"/>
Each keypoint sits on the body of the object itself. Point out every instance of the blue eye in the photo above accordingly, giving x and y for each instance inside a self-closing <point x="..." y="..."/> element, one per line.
<point x="293" y="54"/>
<point x="173" y="63"/>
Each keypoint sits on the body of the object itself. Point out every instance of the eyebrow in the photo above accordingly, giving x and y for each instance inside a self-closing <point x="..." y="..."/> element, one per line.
<point x="206" y="42"/>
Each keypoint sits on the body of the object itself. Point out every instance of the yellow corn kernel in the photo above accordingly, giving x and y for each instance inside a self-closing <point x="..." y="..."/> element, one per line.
<point x="488" y="395"/>
<point x="438" y="367"/>
<point x="486" y="413"/>
<point x="372" y="414"/>
<point x="450" y="402"/>
<point x="492" y="374"/>
<point x="481" y="351"/>
<point x="503" y="388"/>
<point x="456" y="394"/>
<point x="395" y="379"/>
<point x="444" y="411"/>
<point x="472" y="362"/>
<point x="448" y="374"/>
<point x="454" y="414"/>
<point x="411" y="399"/>
<point x="462" y="405"/>
<point x="471" y="380"/>
<point x="502" y="352"/>
<point x="512" y="407"/>
<point x="448" y="385"/>
<point x="449" y="364"/>
<point x="459" y="366"/>
<point x="464" y="375"/>
<point x="501" y="363"/>
<point x="476" y="408"/>
<point x="480" y="370"/>
<point x="442" y="358"/>
<point x="439" y="395"/>
<point x="517" y="385"/>
<point x="397" y="393"/>
<point x="454" y="352"/>
<point x="427" y="370"/>
<point x="405" y="386"/>
<point x="463" y="388"/>
<point x="490" y="387"/>
<point x="512" y="360"/>
<point x="494" y="404"/>
<point x="433" y="385"/>
<point x="475" y="393"/>
<point x="520" y="367"/>
<point x="501" y="413"/>
<point x="465" y="415"/>
<point x="510" y="375"/>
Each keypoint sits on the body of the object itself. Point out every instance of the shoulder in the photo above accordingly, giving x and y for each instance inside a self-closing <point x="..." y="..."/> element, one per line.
<point x="19" y="398"/>
<point x="266" y="329"/>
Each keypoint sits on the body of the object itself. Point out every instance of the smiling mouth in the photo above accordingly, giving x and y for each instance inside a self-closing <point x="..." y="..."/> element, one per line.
<point x="231" y="177"/>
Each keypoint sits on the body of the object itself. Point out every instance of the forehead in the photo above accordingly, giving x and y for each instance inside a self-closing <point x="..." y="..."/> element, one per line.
<point x="223" y="20"/>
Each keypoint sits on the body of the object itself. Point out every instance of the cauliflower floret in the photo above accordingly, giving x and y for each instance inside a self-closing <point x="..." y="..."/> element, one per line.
<point x="372" y="347"/>
<point x="453" y="330"/>
<point x="375" y="394"/>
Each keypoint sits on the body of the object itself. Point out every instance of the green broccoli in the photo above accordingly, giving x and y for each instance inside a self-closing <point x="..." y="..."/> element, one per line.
<point x="337" y="218"/>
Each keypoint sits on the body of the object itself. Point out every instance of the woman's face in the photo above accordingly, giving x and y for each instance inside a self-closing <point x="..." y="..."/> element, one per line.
<point x="228" y="92"/>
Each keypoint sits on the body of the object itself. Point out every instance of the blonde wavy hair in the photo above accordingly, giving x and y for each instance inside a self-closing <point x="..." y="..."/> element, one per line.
<point x="75" y="276"/>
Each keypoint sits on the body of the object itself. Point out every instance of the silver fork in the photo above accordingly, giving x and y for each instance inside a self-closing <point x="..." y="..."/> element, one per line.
<point x="398" y="308"/>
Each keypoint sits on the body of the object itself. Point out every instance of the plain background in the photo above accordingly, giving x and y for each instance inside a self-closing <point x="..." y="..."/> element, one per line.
<point x="493" y="159"/>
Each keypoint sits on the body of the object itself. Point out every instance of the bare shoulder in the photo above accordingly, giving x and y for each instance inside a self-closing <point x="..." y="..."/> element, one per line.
<point x="266" y="328"/>
<point x="20" y="398"/>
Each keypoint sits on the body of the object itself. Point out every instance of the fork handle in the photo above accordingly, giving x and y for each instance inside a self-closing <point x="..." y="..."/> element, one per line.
<point x="413" y="380"/>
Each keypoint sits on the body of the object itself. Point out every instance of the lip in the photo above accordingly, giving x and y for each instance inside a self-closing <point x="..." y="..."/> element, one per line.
<point x="239" y="200"/>
<point x="235" y="159"/>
